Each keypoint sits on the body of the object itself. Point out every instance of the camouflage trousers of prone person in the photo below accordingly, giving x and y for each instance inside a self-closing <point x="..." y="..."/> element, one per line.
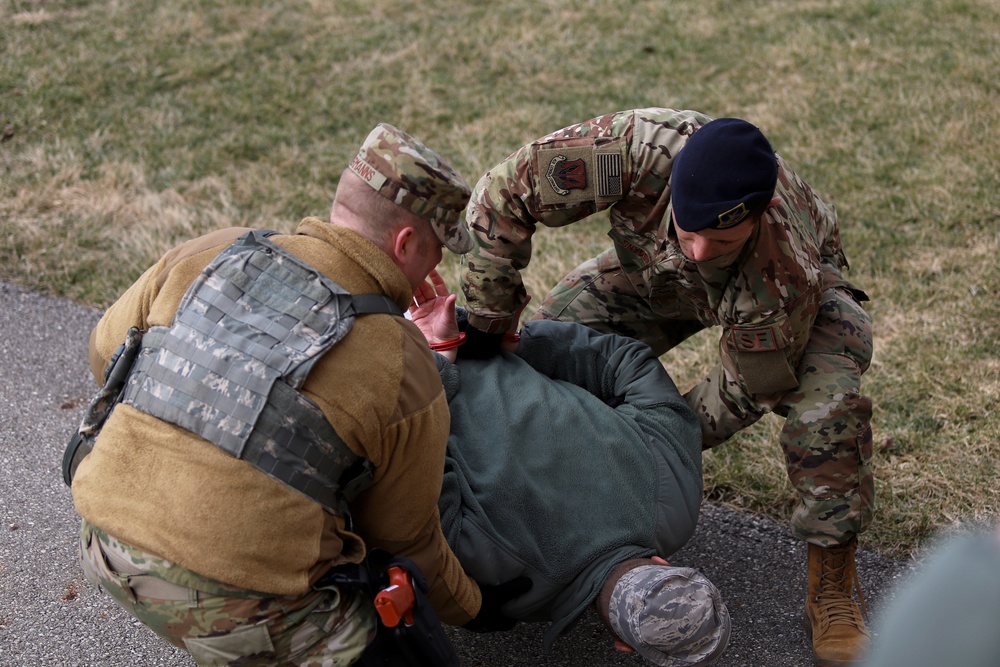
<point x="221" y="625"/>
<point x="826" y="437"/>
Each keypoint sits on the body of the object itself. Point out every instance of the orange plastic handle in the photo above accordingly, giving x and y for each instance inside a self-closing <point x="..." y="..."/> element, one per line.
<point x="395" y="602"/>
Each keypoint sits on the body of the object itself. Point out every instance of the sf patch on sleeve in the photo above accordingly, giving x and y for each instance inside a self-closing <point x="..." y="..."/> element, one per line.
<point x="761" y="355"/>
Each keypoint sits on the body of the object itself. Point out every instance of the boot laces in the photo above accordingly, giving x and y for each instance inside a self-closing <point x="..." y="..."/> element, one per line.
<point x="838" y="577"/>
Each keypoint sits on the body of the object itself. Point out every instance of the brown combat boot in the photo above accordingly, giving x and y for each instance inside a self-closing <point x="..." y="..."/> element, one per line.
<point x="833" y="618"/>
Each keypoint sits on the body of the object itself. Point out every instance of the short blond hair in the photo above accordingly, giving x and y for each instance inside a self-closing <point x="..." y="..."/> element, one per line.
<point x="379" y="218"/>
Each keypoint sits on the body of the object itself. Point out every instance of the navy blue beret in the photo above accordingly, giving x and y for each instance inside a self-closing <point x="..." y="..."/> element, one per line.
<point x="725" y="170"/>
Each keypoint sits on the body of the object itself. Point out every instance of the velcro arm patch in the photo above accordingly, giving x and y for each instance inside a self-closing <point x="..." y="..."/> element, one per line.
<point x="757" y="339"/>
<point x="574" y="174"/>
<point x="761" y="355"/>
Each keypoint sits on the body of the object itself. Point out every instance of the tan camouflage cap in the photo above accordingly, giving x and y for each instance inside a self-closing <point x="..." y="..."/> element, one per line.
<point x="403" y="170"/>
<point x="671" y="616"/>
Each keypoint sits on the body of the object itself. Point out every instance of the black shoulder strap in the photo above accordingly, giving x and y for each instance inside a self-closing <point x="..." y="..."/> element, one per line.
<point x="365" y="304"/>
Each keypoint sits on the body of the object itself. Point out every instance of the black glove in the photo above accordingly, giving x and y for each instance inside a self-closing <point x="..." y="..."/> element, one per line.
<point x="479" y="344"/>
<point x="490" y="618"/>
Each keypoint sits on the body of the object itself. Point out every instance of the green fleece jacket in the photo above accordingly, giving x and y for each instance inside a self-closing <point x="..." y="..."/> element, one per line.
<point x="563" y="461"/>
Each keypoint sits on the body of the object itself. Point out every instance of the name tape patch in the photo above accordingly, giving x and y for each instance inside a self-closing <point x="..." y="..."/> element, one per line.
<point x="367" y="173"/>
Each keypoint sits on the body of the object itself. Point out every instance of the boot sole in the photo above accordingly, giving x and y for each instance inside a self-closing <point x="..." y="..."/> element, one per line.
<point x="819" y="662"/>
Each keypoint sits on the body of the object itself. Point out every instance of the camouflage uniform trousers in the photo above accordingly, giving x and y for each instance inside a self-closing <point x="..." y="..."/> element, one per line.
<point x="826" y="437"/>
<point x="323" y="628"/>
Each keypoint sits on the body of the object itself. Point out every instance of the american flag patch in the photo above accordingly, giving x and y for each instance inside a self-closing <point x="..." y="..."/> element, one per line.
<point x="609" y="174"/>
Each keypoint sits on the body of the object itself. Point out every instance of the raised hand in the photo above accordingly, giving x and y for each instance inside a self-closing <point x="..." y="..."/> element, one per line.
<point x="433" y="310"/>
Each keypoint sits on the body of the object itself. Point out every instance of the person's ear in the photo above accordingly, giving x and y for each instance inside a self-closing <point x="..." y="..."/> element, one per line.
<point x="775" y="200"/>
<point x="405" y="244"/>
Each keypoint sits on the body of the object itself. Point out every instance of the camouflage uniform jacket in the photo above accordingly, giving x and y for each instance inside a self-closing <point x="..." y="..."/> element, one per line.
<point x="162" y="489"/>
<point x="622" y="162"/>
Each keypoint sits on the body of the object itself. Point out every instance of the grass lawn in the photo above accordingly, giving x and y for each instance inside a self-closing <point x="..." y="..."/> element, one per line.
<point x="128" y="127"/>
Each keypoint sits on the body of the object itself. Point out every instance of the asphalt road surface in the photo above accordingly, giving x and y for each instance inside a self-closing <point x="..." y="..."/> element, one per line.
<point x="50" y="615"/>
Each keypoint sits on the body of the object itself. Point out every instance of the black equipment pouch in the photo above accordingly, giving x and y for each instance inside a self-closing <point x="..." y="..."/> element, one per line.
<point x="416" y="637"/>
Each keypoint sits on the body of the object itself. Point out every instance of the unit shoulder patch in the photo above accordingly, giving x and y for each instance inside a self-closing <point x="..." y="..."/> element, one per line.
<point x="575" y="174"/>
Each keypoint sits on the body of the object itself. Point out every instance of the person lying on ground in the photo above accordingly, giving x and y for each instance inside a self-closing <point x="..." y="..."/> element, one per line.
<point x="575" y="462"/>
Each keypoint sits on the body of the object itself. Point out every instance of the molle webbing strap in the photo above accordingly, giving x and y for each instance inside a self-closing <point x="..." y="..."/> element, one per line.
<point x="241" y="345"/>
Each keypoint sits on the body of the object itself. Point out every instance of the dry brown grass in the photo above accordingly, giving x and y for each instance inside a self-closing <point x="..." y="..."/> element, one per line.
<point x="131" y="126"/>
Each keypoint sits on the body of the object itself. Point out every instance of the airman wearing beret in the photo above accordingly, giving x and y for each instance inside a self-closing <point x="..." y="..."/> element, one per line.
<point x="710" y="228"/>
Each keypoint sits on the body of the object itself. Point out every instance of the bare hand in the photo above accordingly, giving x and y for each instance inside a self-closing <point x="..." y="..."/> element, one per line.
<point x="433" y="310"/>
